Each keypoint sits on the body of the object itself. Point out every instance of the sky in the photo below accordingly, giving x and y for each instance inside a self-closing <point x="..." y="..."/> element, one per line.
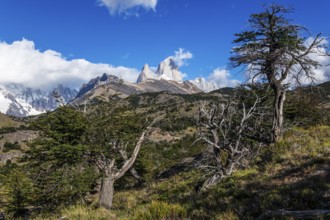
<point x="46" y="42"/>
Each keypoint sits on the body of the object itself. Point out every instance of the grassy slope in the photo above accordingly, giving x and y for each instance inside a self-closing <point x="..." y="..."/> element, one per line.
<point x="292" y="175"/>
<point x="6" y="121"/>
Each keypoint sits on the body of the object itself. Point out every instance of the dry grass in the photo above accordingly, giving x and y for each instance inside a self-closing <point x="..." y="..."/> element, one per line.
<point x="6" y="121"/>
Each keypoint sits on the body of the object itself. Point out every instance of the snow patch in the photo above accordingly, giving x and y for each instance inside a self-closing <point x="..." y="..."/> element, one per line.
<point x="4" y="102"/>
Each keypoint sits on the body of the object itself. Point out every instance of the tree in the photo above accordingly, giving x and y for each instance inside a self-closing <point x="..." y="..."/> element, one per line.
<point x="110" y="172"/>
<point x="111" y="137"/>
<point x="57" y="162"/>
<point x="16" y="191"/>
<point x="276" y="53"/>
<point x="75" y="150"/>
<point x="234" y="131"/>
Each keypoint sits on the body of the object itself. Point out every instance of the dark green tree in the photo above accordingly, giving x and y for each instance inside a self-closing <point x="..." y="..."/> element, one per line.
<point x="275" y="51"/>
<point x="16" y="190"/>
<point x="116" y="141"/>
<point x="57" y="161"/>
<point x="75" y="150"/>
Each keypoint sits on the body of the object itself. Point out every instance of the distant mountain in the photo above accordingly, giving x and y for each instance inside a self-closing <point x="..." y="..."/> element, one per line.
<point x="18" y="100"/>
<point x="112" y="85"/>
<point x="204" y="85"/>
<point x="166" y="70"/>
<point x="98" y="81"/>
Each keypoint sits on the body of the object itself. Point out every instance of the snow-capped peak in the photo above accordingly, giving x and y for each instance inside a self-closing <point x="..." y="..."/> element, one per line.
<point x="205" y="85"/>
<point x="18" y="100"/>
<point x="167" y="70"/>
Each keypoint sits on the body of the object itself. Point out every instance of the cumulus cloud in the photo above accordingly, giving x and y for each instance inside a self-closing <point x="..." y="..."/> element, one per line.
<point x="181" y="56"/>
<point x="21" y="62"/>
<point x="125" y="6"/>
<point x="222" y="78"/>
<point x="322" y="73"/>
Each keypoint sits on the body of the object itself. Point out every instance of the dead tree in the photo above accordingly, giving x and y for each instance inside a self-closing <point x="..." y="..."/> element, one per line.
<point x="108" y="168"/>
<point x="274" y="51"/>
<point x="231" y="131"/>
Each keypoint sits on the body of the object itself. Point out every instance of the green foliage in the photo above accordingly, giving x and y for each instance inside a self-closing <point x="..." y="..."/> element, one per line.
<point x="121" y="126"/>
<point x="176" y="123"/>
<point x="156" y="157"/>
<point x="16" y="189"/>
<point x="305" y="108"/>
<point x="64" y="126"/>
<point x="58" y="171"/>
<point x="288" y="181"/>
<point x="11" y="146"/>
<point x="56" y="159"/>
<point x="5" y="130"/>
<point x="160" y="210"/>
<point x="86" y="213"/>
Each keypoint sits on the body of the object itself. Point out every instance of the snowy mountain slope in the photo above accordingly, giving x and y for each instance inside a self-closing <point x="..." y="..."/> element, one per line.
<point x="168" y="70"/>
<point x="18" y="100"/>
<point x="204" y="85"/>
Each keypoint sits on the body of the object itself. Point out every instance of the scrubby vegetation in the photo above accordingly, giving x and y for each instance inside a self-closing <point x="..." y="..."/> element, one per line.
<point x="11" y="146"/>
<point x="60" y="181"/>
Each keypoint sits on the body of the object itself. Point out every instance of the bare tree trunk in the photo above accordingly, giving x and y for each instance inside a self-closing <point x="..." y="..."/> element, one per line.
<point x="110" y="171"/>
<point x="106" y="194"/>
<point x="277" y="128"/>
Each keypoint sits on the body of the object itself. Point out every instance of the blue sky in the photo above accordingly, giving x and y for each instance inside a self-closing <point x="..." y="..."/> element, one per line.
<point x="118" y="35"/>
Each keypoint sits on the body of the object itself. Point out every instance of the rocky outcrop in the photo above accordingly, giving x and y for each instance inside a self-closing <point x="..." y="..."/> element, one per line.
<point x="166" y="70"/>
<point x="9" y="156"/>
<point x="98" y="81"/>
<point x="146" y="73"/>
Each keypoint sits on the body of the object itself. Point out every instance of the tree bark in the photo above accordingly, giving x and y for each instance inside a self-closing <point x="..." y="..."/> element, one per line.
<point x="106" y="194"/>
<point x="277" y="128"/>
<point x="111" y="175"/>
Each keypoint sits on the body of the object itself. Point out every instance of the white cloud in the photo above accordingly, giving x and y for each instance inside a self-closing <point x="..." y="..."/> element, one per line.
<point x="181" y="56"/>
<point x="125" y="6"/>
<point x="21" y="62"/>
<point x="222" y="78"/>
<point x="322" y="73"/>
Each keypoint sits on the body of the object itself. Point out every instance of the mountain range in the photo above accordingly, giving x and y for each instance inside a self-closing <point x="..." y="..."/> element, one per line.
<point x="19" y="100"/>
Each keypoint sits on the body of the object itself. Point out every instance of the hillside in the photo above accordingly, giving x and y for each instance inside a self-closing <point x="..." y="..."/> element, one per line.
<point x="6" y="121"/>
<point x="292" y="175"/>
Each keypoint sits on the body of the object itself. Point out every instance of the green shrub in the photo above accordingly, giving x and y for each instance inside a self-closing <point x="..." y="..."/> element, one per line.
<point x="6" y="130"/>
<point x="11" y="146"/>
<point x="87" y="213"/>
<point x="160" y="210"/>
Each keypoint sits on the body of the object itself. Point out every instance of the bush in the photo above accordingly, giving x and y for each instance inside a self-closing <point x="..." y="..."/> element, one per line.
<point x="160" y="210"/>
<point x="87" y="213"/>
<point x="11" y="146"/>
<point x="6" y="130"/>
